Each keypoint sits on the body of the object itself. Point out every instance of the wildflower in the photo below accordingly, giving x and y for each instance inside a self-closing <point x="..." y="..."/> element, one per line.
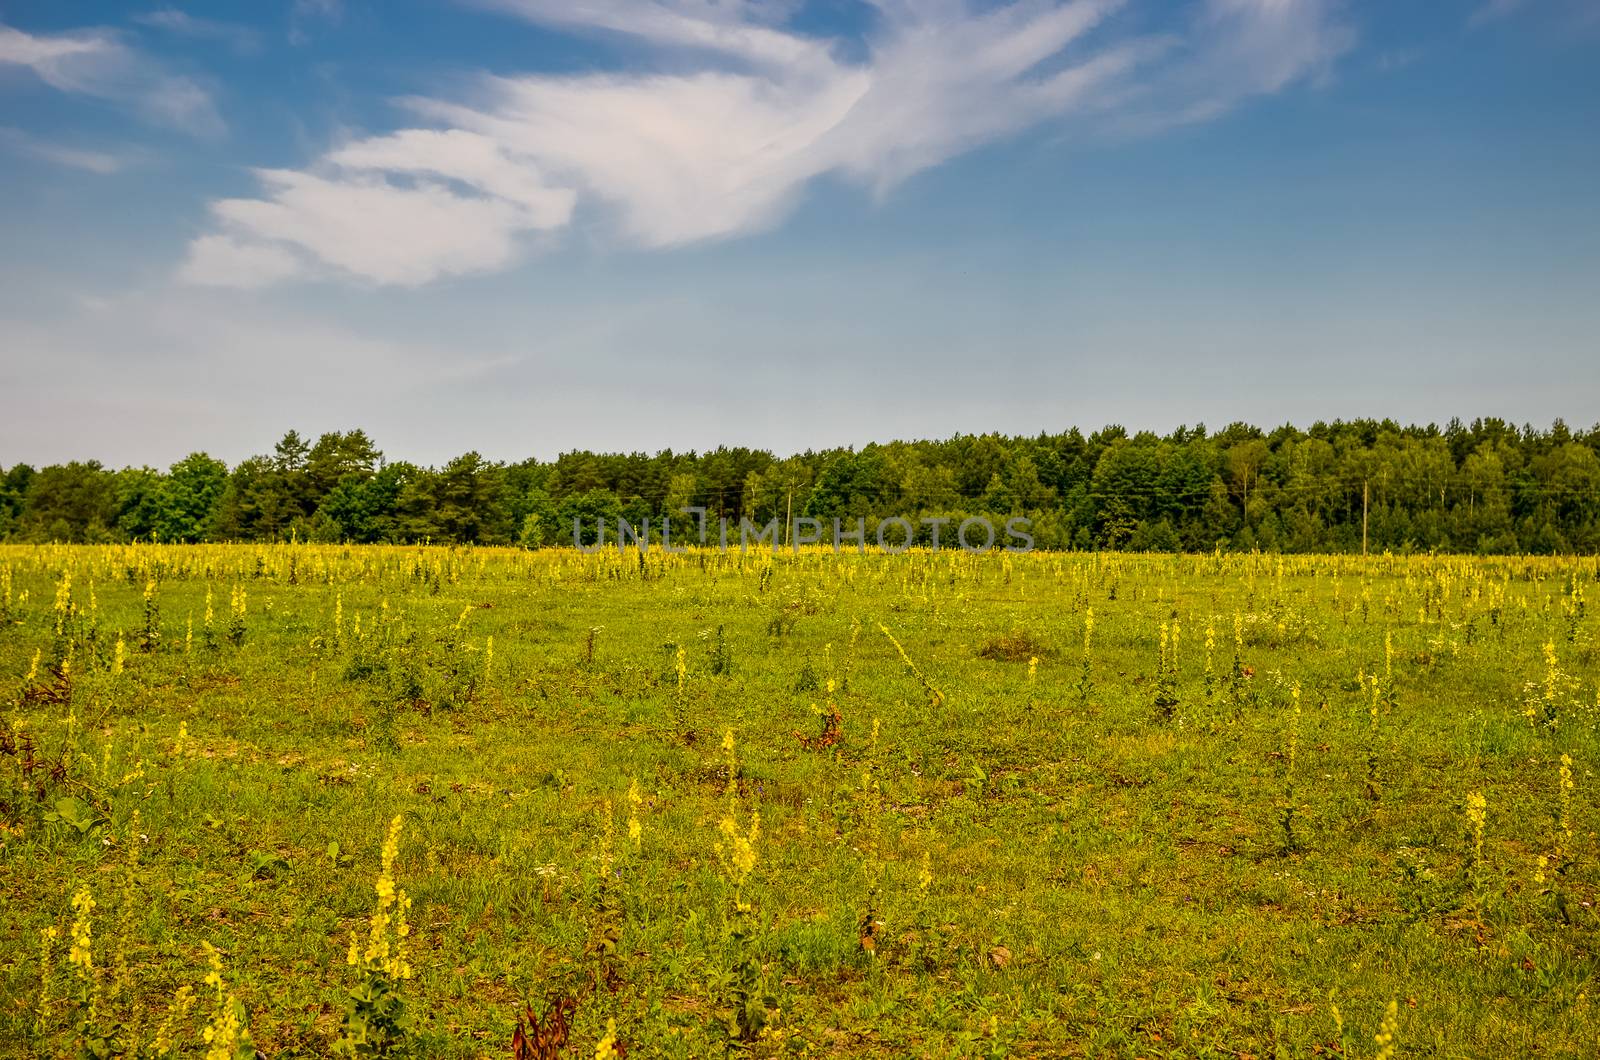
<point x="741" y="850"/>
<point x="227" y="1035"/>
<point x="1477" y="815"/>
<point x="80" y="955"/>
<point x="1385" y="1036"/>
<point x="1565" y="800"/>
<point x="63" y="604"/>
<point x="1294" y="726"/>
<point x="635" y="832"/>
<point x="607" y="841"/>
<point x="47" y="947"/>
<point x="738" y="854"/>
<point x="387" y="927"/>
<point x="607" y="1048"/>
<point x="182" y="1001"/>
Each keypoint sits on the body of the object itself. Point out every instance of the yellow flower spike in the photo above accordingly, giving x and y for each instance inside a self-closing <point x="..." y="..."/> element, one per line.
<point x="387" y="928"/>
<point x="1384" y="1039"/>
<point x="80" y="955"/>
<point x="635" y="800"/>
<point x="607" y="1047"/>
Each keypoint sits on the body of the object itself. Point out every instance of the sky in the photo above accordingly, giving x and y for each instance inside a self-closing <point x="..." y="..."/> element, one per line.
<point x="522" y="227"/>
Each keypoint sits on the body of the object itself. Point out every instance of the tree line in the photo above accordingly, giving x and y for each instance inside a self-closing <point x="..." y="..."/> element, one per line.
<point x="1487" y="487"/>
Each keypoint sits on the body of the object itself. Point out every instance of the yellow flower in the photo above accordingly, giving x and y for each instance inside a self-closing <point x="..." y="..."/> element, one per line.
<point x="80" y="955"/>
<point x="1385" y="1036"/>
<point x="607" y="1049"/>
<point x="387" y="927"/>
<point x="635" y="831"/>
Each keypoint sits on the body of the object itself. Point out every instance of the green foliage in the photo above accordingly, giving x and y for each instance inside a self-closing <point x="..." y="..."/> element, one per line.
<point x="1487" y="487"/>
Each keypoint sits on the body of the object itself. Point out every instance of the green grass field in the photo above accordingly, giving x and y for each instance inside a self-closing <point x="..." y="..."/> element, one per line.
<point x="1241" y="805"/>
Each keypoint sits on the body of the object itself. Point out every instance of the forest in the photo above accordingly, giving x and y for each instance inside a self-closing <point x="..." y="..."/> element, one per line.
<point x="1489" y="487"/>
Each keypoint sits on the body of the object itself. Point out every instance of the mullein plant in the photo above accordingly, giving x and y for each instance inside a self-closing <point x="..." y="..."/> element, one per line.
<point x="935" y="697"/>
<point x="121" y="967"/>
<point x="165" y="1042"/>
<point x="1086" y="675"/>
<point x="736" y="856"/>
<point x="375" y="1023"/>
<point x="237" y="605"/>
<point x="1236" y="673"/>
<point x="1542" y="704"/>
<point x="1288" y="809"/>
<point x="63" y="614"/>
<point x="92" y="625"/>
<point x="1166" y="701"/>
<point x="150" y="636"/>
<point x="635" y="829"/>
<point x="1572" y="608"/>
<point x="1551" y="868"/>
<point x="208" y="629"/>
<point x="850" y="654"/>
<point x="605" y="935"/>
<point x="96" y="1039"/>
<point x="869" y="830"/>
<point x="680" y="696"/>
<point x="1384" y="1039"/>
<point x="1211" y="676"/>
<point x="227" y="1033"/>
<point x="1374" y="706"/>
<point x="1477" y="811"/>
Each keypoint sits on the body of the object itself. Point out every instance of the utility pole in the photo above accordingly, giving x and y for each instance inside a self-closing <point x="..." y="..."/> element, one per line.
<point x="1363" y="518"/>
<point x="788" y="513"/>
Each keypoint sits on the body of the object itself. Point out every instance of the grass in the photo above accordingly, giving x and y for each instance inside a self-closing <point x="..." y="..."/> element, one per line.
<point x="1050" y="865"/>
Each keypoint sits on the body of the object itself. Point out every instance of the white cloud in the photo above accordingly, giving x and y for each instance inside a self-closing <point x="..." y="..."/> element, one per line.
<point x="92" y="161"/>
<point x="1494" y="10"/>
<point x="305" y="13"/>
<point x="404" y="209"/>
<point x="241" y="39"/>
<point x="96" y="63"/>
<point x="223" y="261"/>
<point x="743" y="112"/>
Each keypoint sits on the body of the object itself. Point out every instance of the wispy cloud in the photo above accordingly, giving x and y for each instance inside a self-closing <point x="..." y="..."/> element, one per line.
<point x="242" y="39"/>
<point x="97" y="63"/>
<point x="1568" y="16"/>
<point x="306" y="14"/>
<point x="92" y="161"/>
<point x="1494" y="10"/>
<point x="739" y="113"/>
<point x="402" y="209"/>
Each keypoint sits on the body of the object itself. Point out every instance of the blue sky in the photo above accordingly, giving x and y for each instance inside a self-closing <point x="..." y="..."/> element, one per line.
<point x="522" y="226"/>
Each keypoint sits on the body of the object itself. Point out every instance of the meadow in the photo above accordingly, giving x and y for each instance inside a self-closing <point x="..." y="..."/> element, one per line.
<point x="310" y="800"/>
